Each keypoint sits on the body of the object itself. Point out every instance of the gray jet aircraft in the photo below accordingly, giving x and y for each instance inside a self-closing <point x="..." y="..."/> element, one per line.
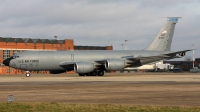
<point x="92" y="63"/>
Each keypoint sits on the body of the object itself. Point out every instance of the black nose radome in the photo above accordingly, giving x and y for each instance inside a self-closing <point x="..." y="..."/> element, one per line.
<point x="7" y="61"/>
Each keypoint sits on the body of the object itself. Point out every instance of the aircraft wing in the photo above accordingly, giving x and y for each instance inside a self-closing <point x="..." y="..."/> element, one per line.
<point x="68" y="65"/>
<point x="176" y="54"/>
<point x="98" y="63"/>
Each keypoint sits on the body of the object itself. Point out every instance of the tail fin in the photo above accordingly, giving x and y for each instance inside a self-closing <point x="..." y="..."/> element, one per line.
<point x="163" y="40"/>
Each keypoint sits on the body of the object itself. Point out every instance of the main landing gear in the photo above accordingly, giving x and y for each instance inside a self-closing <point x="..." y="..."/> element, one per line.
<point x="28" y="74"/>
<point x="94" y="73"/>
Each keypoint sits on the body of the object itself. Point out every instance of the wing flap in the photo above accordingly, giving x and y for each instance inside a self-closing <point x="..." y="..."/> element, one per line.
<point x="146" y="57"/>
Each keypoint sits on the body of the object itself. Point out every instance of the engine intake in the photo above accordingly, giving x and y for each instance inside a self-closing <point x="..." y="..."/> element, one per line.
<point x="115" y="64"/>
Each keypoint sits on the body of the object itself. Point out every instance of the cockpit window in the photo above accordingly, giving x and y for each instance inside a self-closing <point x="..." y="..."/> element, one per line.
<point x="15" y="56"/>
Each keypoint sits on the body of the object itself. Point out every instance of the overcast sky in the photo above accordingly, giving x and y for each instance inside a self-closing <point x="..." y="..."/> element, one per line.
<point x="102" y="22"/>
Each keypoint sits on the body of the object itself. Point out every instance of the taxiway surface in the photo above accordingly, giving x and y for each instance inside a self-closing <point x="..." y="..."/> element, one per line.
<point x="170" y="89"/>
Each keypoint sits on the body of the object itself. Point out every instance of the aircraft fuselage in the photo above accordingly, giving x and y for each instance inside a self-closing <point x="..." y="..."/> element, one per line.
<point x="51" y="60"/>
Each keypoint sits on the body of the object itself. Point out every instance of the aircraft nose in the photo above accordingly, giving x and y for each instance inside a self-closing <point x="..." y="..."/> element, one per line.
<point x="7" y="61"/>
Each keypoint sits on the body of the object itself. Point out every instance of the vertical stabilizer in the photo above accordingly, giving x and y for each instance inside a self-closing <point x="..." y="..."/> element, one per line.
<point x="162" y="42"/>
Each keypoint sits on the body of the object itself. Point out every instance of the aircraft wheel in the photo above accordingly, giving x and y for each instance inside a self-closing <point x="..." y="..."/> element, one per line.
<point x="100" y="73"/>
<point x="28" y="74"/>
<point x="81" y="74"/>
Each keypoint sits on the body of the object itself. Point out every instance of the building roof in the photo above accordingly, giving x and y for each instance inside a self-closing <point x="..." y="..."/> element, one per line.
<point x="46" y="41"/>
<point x="54" y="41"/>
<point x="18" y="40"/>
<point x="8" y="39"/>
<point x="29" y="40"/>
<point x="1" y="39"/>
<point x="37" y="41"/>
<point x="79" y="47"/>
<point x="61" y="41"/>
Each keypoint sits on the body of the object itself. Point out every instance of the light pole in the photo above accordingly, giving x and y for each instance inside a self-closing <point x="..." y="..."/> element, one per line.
<point x="193" y="56"/>
<point x="122" y="46"/>
<point x="126" y="44"/>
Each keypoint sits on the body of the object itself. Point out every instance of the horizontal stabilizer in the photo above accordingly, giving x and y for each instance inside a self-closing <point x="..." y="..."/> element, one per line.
<point x="178" y="53"/>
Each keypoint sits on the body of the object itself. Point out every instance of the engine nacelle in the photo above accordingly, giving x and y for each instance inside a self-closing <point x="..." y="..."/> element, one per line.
<point x="83" y="67"/>
<point x="115" y="64"/>
<point x="56" y="71"/>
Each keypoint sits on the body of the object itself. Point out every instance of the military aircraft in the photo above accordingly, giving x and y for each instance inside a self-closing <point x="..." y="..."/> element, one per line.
<point x="92" y="63"/>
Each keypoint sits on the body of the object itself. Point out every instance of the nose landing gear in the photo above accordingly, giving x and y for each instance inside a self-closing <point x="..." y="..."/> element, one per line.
<point x="28" y="74"/>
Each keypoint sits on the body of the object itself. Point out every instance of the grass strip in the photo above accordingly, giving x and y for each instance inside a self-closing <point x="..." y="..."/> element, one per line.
<point x="62" y="107"/>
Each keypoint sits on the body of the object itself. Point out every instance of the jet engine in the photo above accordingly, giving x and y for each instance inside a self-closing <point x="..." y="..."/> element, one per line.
<point x="115" y="64"/>
<point x="83" y="67"/>
<point x="56" y="71"/>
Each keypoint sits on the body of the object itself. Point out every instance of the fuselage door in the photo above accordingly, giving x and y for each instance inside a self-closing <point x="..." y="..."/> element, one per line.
<point x="72" y="57"/>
